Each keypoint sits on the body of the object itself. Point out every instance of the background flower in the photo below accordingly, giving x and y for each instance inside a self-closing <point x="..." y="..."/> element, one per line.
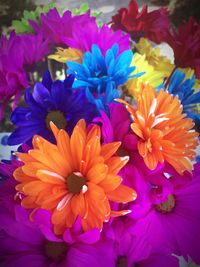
<point x="185" y="42"/>
<point x="12" y="75"/>
<point x="153" y="25"/>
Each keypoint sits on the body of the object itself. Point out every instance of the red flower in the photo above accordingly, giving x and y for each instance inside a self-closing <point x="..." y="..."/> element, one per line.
<point x="153" y="25"/>
<point x="186" y="45"/>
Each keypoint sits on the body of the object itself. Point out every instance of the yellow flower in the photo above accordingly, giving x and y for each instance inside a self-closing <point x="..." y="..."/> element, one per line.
<point x="64" y="54"/>
<point x="154" y="58"/>
<point x="151" y="76"/>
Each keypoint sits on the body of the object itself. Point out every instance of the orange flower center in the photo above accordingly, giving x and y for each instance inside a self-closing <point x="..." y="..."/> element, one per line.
<point x="57" y="117"/>
<point x="166" y="206"/>
<point x="55" y="251"/>
<point x="76" y="182"/>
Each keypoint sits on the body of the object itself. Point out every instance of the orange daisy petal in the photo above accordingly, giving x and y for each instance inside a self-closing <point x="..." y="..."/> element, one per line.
<point x="122" y="194"/>
<point x="72" y="177"/>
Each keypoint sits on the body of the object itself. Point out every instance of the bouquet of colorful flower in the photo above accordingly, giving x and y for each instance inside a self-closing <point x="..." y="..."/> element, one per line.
<point x="107" y="172"/>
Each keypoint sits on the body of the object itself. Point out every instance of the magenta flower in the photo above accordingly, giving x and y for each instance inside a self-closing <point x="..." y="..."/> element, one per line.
<point x="116" y="128"/>
<point x="34" y="47"/>
<point x="12" y="75"/>
<point x="84" y="37"/>
<point x="79" y="32"/>
<point x="23" y="243"/>
<point x="128" y="247"/>
<point x="53" y="26"/>
<point x="174" y="221"/>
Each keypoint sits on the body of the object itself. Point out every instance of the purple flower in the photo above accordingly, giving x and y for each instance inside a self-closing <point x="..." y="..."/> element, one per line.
<point x="174" y="219"/>
<point x="12" y="75"/>
<point x="23" y="243"/>
<point x="84" y="37"/>
<point x="79" y="32"/>
<point x="54" y="27"/>
<point x="50" y="101"/>
<point x="128" y="247"/>
<point x="34" y="47"/>
<point x="115" y="127"/>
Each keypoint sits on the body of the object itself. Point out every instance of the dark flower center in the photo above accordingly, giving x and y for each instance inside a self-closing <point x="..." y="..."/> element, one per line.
<point x="167" y="206"/>
<point x="55" y="251"/>
<point x="57" y="117"/>
<point x="122" y="262"/>
<point x="121" y="152"/>
<point x="76" y="183"/>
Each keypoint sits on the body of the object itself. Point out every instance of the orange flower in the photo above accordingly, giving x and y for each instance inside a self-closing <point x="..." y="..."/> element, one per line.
<point x="75" y="177"/>
<point x="164" y="132"/>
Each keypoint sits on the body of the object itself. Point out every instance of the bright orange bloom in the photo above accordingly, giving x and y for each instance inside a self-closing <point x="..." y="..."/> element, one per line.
<point x="75" y="177"/>
<point x="164" y="132"/>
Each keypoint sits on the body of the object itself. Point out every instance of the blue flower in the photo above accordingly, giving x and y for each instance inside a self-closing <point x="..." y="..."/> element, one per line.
<point x="101" y="75"/>
<point x="50" y="101"/>
<point x="183" y="88"/>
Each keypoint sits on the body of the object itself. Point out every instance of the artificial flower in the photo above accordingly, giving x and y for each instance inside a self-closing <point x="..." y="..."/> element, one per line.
<point x="185" y="42"/>
<point x="153" y="25"/>
<point x="153" y="56"/>
<point x="101" y="75"/>
<point x="164" y="132"/>
<point x="175" y="220"/>
<point x="183" y="88"/>
<point x="49" y="101"/>
<point x="75" y="177"/>
<point x="150" y="75"/>
<point x="12" y="75"/>
<point x="69" y="54"/>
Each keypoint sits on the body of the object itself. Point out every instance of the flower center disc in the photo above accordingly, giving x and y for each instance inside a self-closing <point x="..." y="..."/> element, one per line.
<point x="55" y="251"/>
<point x="57" y="118"/>
<point x="122" y="262"/>
<point x="75" y="183"/>
<point x="166" y="206"/>
<point x="121" y="152"/>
